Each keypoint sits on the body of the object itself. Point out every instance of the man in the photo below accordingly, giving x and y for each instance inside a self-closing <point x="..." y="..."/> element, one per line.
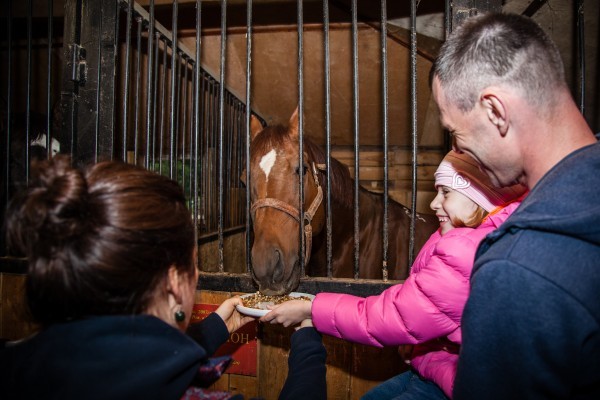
<point x="531" y="326"/>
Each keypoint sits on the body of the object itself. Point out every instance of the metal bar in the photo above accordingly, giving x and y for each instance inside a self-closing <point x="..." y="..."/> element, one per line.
<point x="581" y="52"/>
<point x="301" y="128"/>
<point x="8" y="106"/>
<point x="173" y="90"/>
<point x="414" y="137"/>
<point x="126" y="82"/>
<point x="163" y="101"/>
<point x="49" y="83"/>
<point x="355" y="103"/>
<point x="328" y="218"/>
<point x="184" y="110"/>
<point x="197" y="80"/>
<point x="136" y="100"/>
<point x="28" y="99"/>
<point x="155" y="95"/>
<point x="221" y="122"/>
<point x="247" y="127"/>
<point x="384" y="99"/>
<point x="149" y="85"/>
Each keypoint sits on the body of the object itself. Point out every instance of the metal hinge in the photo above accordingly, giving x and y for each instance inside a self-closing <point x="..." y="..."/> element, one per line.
<point x="78" y="64"/>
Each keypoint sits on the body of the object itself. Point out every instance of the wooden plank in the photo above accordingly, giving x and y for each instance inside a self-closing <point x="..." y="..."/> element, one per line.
<point x="396" y="156"/>
<point x="395" y="172"/>
<point x="339" y="361"/>
<point x="272" y="359"/>
<point x="371" y="366"/>
<point x="15" y="323"/>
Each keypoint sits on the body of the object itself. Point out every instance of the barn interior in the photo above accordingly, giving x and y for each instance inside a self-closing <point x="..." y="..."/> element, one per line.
<point x="356" y="110"/>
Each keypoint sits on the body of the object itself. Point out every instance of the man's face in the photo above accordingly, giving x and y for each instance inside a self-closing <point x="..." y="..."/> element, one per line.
<point x="473" y="133"/>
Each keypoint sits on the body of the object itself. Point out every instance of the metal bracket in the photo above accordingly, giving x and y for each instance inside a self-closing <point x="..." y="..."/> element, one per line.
<point x="78" y="64"/>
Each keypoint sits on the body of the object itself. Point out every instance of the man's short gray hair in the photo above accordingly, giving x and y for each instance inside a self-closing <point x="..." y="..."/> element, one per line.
<point x="493" y="49"/>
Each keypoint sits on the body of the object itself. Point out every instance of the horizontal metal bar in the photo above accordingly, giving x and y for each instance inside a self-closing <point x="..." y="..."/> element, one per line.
<point x="224" y="282"/>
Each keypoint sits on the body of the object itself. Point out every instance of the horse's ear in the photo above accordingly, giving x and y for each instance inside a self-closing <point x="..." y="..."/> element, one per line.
<point x="255" y="126"/>
<point x="293" y="125"/>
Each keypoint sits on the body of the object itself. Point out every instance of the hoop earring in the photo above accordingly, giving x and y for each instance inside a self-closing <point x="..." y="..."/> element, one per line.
<point x="179" y="315"/>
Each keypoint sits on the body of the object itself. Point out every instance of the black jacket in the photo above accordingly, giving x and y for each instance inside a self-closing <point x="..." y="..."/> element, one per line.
<point x="135" y="357"/>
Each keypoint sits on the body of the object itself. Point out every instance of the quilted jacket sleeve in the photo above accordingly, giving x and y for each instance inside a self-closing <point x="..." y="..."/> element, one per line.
<point x="426" y="306"/>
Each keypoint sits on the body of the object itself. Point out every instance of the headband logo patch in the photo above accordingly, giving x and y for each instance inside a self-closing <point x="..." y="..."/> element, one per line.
<point x="459" y="182"/>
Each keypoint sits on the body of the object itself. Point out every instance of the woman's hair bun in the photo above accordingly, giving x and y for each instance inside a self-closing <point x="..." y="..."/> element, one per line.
<point x="52" y="209"/>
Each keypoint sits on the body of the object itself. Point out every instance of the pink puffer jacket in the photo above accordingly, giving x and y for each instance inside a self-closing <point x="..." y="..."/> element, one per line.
<point x="425" y="310"/>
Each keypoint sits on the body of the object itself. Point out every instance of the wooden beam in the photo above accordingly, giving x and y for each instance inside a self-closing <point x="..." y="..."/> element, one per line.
<point x="463" y="9"/>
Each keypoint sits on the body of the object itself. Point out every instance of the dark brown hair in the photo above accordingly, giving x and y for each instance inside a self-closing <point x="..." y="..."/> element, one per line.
<point x="98" y="241"/>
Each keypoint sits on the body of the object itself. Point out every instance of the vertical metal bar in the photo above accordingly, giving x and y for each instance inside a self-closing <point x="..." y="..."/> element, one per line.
<point x="126" y="81"/>
<point x="413" y="103"/>
<point x="197" y="78"/>
<point x="184" y="103"/>
<point x="190" y="128"/>
<point x="247" y="126"/>
<point x="384" y="99"/>
<point x="221" y="119"/>
<point x="8" y="104"/>
<point x="28" y="99"/>
<point x="163" y="94"/>
<point x="136" y="100"/>
<point x="49" y="82"/>
<point x="173" y="89"/>
<point x="155" y="127"/>
<point x="301" y="130"/>
<point x="149" y="85"/>
<point x="581" y="53"/>
<point x="327" y="135"/>
<point x="447" y="18"/>
<point x="356" y="140"/>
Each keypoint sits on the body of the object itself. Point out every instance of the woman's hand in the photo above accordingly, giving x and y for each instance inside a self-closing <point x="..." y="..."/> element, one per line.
<point x="289" y="313"/>
<point x="231" y="316"/>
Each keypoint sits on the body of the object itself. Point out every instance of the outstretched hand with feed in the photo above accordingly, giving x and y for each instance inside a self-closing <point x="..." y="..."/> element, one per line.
<point x="231" y="316"/>
<point x="289" y="313"/>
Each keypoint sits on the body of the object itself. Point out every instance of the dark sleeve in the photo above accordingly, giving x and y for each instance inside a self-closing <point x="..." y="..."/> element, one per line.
<point x="306" y="367"/>
<point x="210" y="333"/>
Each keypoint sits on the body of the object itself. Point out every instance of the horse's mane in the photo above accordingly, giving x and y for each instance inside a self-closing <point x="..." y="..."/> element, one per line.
<point x="342" y="188"/>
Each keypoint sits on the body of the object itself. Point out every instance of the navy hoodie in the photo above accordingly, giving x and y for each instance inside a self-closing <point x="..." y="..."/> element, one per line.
<point x="531" y="326"/>
<point x="108" y="357"/>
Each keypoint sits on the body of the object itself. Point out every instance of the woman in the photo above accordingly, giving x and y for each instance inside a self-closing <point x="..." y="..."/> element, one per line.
<point x="111" y="282"/>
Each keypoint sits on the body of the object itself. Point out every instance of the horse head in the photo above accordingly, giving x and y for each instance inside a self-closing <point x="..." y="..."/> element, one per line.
<point x="275" y="175"/>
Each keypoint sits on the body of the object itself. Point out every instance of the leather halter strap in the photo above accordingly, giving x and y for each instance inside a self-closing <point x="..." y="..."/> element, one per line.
<point x="295" y="212"/>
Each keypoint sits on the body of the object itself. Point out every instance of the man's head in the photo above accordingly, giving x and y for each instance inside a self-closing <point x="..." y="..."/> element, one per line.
<point x="492" y="74"/>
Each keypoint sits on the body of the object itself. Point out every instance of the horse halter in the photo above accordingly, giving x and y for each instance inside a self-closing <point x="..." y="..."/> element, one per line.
<point x="295" y="212"/>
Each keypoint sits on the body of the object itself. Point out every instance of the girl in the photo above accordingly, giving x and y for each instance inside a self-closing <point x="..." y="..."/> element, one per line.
<point x="426" y="309"/>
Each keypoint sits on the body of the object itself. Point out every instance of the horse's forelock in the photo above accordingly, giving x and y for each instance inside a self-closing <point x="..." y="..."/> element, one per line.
<point x="269" y="138"/>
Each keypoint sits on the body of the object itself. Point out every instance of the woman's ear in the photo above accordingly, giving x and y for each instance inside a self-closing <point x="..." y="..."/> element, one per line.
<point x="174" y="284"/>
<point x="496" y="111"/>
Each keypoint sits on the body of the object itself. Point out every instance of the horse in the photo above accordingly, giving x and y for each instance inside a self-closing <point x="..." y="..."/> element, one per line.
<point x="274" y="187"/>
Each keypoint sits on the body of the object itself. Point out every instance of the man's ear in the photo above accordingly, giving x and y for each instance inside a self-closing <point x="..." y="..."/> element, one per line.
<point x="496" y="111"/>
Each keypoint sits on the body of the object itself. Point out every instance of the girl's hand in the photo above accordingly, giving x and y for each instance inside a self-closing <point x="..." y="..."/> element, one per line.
<point x="289" y="313"/>
<point x="231" y="316"/>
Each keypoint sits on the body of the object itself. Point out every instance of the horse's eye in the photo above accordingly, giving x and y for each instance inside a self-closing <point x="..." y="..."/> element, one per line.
<point x="304" y="169"/>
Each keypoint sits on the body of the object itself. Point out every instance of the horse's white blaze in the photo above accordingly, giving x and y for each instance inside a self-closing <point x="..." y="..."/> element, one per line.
<point x="267" y="161"/>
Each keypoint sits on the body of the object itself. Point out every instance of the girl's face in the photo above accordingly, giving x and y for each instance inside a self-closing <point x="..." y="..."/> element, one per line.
<point x="449" y="205"/>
